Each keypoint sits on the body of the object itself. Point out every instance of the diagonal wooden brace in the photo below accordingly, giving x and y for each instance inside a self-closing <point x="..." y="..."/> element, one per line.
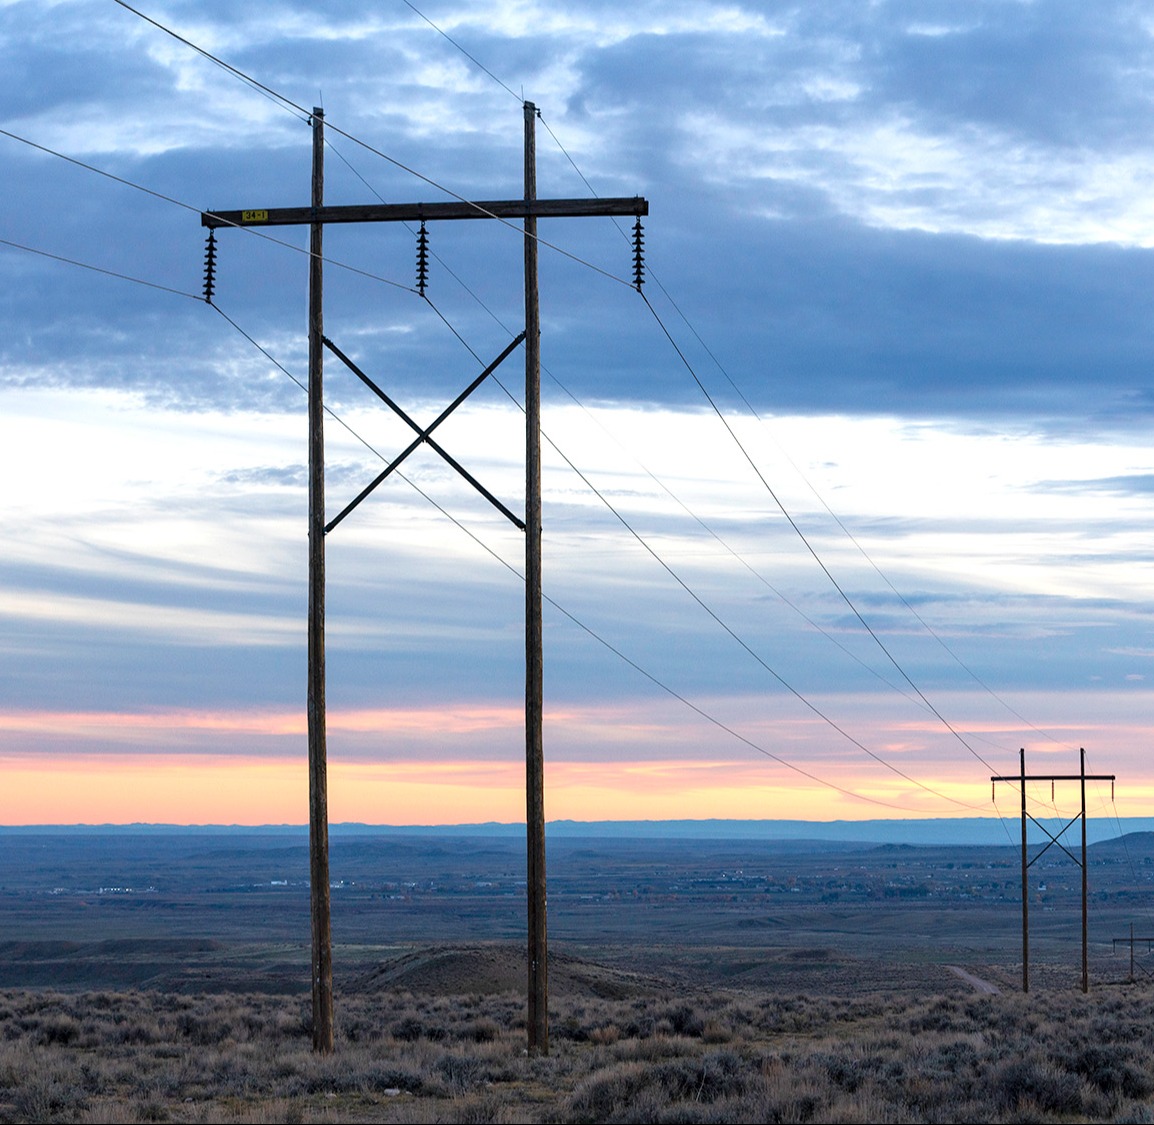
<point x="424" y="435"/>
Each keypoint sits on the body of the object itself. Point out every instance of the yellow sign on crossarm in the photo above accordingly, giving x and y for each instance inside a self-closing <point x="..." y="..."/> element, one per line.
<point x="254" y="216"/>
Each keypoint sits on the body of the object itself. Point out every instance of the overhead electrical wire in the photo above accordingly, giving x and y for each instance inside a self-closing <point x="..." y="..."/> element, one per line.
<point x="399" y="164"/>
<point x="713" y="614"/>
<point x="808" y="703"/>
<point x="846" y="531"/>
<point x="796" y="527"/>
<point x="197" y="210"/>
<point x="840" y="523"/>
<point x="472" y="58"/>
<point x="853" y="608"/>
<point x="749" y="406"/>
<point x="821" y="499"/>
<point x="183" y="293"/>
<point x="773" y="494"/>
<point x="289" y="103"/>
<point x="921" y="696"/>
<point x="809" y="546"/>
<point x="805" y="540"/>
<point x="657" y="557"/>
<point x="677" y="578"/>
<point x="99" y="269"/>
<point x="661" y="484"/>
<point x="581" y="405"/>
<point x="236" y="72"/>
<point x="849" y="534"/>
<point x="653" y="476"/>
<point x="592" y="633"/>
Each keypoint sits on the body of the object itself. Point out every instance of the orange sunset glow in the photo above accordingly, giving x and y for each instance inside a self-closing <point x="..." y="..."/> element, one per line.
<point x="464" y="764"/>
<point x="216" y="790"/>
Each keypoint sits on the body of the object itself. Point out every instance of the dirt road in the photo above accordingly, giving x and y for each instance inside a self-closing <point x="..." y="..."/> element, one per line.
<point x="976" y="983"/>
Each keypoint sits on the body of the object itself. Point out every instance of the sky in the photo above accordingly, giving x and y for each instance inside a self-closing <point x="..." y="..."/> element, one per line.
<point x="848" y="506"/>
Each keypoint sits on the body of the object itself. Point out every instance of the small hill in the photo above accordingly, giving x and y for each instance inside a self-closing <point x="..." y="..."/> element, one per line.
<point x="486" y="969"/>
<point x="1137" y="846"/>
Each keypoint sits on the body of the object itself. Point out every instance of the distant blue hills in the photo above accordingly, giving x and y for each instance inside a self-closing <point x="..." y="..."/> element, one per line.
<point x="959" y="831"/>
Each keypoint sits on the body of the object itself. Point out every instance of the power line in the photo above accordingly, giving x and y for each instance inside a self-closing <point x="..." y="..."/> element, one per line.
<point x="268" y="90"/>
<point x="592" y="633"/>
<point x="725" y="727"/>
<point x="195" y="210"/>
<point x="745" y="645"/>
<point x="99" y="171"/>
<point x="577" y="401"/>
<point x="845" y="530"/>
<point x="666" y="566"/>
<point x="837" y="586"/>
<point x="477" y="63"/>
<point x="716" y="617"/>
<point x="802" y="536"/>
<point x="766" y="484"/>
<point x="249" y="80"/>
<point x="100" y="269"/>
<point x="570" y="394"/>
<point x="812" y="488"/>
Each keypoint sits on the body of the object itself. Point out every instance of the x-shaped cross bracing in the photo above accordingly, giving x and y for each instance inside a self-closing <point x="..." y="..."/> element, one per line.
<point x="424" y="436"/>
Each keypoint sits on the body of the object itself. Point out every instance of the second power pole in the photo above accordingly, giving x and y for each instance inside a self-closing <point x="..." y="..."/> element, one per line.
<point x="534" y="673"/>
<point x="320" y="894"/>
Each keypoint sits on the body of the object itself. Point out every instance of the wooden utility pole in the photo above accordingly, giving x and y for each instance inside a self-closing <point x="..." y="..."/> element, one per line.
<point x="529" y="209"/>
<point x="1055" y="840"/>
<point x="320" y="895"/>
<point x="534" y="664"/>
<point x="1025" y="882"/>
<point x="1085" y="883"/>
<point x="1130" y="941"/>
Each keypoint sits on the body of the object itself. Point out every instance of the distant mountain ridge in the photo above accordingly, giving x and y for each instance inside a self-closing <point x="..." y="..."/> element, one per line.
<point x="959" y="831"/>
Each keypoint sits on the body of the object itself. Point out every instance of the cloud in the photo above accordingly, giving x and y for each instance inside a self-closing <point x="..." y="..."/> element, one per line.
<point x="867" y="218"/>
<point x="914" y="240"/>
<point x="1134" y="484"/>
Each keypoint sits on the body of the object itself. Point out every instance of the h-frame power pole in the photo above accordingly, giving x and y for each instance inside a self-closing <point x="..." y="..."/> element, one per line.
<point x="1055" y="839"/>
<point x="529" y="209"/>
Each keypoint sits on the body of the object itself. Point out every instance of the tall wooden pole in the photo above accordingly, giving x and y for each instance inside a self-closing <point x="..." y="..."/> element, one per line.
<point x="1085" y="887"/>
<point x="1025" y="888"/>
<point x="322" y="948"/>
<point x="534" y="678"/>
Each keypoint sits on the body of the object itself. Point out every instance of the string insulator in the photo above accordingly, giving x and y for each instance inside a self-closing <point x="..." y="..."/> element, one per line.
<point x="210" y="266"/>
<point x="422" y="259"/>
<point x="638" y="255"/>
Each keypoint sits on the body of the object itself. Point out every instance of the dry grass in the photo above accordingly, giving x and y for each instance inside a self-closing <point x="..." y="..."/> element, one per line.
<point x="717" y="1057"/>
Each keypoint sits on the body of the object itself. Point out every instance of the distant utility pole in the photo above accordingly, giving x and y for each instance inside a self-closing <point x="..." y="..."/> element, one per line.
<point x="1130" y="941"/>
<point x="529" y="209"/>
<point x="1055" y="839"/>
